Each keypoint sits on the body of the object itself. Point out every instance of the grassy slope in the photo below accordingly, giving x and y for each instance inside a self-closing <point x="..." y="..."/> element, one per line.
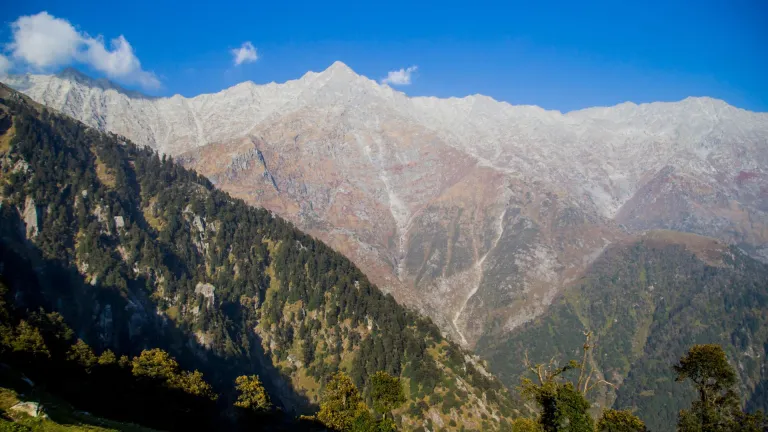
<point x="60" y="417"/>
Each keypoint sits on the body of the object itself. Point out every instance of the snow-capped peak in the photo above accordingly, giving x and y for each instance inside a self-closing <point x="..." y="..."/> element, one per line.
<point x="500" y="133"/>
<point x="339" y="67"/>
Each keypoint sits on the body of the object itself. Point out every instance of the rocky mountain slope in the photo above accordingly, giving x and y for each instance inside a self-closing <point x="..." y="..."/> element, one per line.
<point x="475" y="211"/>
<point x="135" y="252"/>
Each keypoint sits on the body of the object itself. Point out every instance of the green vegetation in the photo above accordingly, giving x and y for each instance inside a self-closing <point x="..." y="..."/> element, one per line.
<point x="342" y="407"/>
<point x="60" y="417"/>
<point x="620" y="421"/>
<point x="251" y="394"/>
<point x="136" y="253"/>
<point x="152" y="387"/>
<point x="646" y="303"/>
<point x="523" y="424"/>
<point x="562" y="403"/>
<point x="717" y="408"/>
<point x="386" y="392"/>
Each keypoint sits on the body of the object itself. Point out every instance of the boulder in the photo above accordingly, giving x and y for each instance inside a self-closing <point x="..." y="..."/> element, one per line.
<point x="32" y="409"/>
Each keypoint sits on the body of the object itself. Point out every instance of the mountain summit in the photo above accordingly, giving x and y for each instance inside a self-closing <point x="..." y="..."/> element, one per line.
<point x="339" y="68"/>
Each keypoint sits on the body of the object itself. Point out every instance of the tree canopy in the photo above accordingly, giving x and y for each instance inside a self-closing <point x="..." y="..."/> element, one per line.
<point x="619" y="421"/>
<point x="251" y="394"/>
<point x="718" y="407"/>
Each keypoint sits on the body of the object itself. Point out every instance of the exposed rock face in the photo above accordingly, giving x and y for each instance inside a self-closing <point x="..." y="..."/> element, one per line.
<point x="472" y="210"/>
<point x="31" y="218"/>
<point x="119" y="222"/>
<point x="32" y="409"/>
<point x="206" y="290"/>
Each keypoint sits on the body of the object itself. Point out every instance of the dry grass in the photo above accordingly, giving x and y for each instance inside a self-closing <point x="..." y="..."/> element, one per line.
<point x="5" y="139"/>
<point x="104" y="174"/>
<point x="307" y="383"/>
<point x="149" y="215"/>
<point x="706" y="249"/>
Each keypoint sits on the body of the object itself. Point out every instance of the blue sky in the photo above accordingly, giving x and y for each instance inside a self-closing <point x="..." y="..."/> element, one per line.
<point x="558" y="55"/>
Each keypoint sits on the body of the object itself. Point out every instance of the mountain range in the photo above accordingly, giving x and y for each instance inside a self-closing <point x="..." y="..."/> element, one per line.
<point x="129" y="251"/>
<point x="478" y="213"/>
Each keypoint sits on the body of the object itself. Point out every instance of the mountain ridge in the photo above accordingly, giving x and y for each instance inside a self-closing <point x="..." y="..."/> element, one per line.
<point x="444" y="202"/>
<point x="73" y="73"/>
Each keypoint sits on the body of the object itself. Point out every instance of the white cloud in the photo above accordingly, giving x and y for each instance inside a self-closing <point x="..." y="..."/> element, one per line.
<point x="5" y="65"/>
<point x="121" y="62"/>
<point x="245" y="54"/>
<point x="43" y="41"/>
<point x="400" y="77"/>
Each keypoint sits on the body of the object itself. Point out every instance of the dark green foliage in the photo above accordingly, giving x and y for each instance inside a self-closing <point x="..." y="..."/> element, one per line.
<point x="572" y="411"/>
<point x="647" y="303"/>
<point x="717" y="408"/>
<point x="562" y="407"/>
<point x="562" y="404"/>
<point x="386" y="392"/>
<point x="708" y="368"/>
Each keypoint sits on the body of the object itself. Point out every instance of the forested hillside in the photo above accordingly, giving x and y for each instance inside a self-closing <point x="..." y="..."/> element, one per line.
<point x="136" y="252"/>
<point x="646" y="303"/>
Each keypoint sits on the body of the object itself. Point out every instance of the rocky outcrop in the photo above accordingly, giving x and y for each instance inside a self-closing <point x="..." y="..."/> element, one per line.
<point x="31" y="218"/>
<point x="119" y="222"/>
<point x="206" y="290"/>
<point x="32" y="409"/>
